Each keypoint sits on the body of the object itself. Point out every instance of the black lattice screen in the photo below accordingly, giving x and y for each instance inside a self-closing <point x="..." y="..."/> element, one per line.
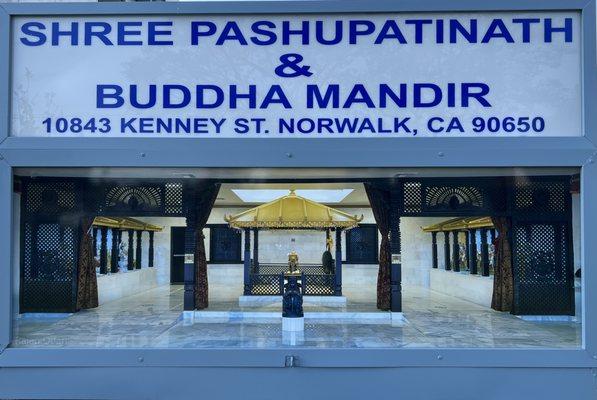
<point x="319" y="285"/>
<point x="136" y="198"/>
<point x="224" y="244"/>
<point x="454" y="196"/>
<point x="362" y="245"/>
<point x="51" y="210"/>
<point x="542" y="246"/>
<point x="266" y="285"/>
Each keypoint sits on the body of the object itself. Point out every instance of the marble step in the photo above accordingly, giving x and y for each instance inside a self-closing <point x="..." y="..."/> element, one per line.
<point x="378" y="317"/>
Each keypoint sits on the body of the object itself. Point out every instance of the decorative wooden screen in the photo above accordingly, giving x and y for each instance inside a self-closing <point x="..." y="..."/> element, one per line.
<point x="224" y="244"/>
<point x="542" y="246"/>
<point x="133" y="198"/>
<point x="49" y="245"/>
<point x="362" y="245"/>
<point x="453" y="196"/>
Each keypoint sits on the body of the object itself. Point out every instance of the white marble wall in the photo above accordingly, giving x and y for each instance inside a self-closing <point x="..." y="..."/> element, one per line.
<point x="115" y="286"/>
<point x="416" y="250"/>
<point x="474" y="288"/>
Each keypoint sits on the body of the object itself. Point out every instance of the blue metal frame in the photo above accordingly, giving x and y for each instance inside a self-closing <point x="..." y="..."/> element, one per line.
<point x="538" y="365"/>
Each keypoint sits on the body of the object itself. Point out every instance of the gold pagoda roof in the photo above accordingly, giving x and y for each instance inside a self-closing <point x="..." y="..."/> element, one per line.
<point x="459" y="224"/>
<point x="125" y="223"/>
<point x="293" y="212"/>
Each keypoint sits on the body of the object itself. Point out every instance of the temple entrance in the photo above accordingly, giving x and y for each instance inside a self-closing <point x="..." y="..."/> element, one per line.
<point x="380" y="251"/>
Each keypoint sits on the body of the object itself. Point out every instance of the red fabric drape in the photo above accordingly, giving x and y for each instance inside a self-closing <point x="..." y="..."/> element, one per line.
<point x="380" y="204"/>
<point x="503" y="283"/>
<point x="206" y="197"/>
<point x="86" y="278"/>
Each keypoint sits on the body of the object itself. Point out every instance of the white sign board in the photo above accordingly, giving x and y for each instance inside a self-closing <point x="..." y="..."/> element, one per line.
<point x="206" y="76"/>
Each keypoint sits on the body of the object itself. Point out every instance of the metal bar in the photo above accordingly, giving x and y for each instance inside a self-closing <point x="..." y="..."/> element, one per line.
<point x="284" y="7"/>
<point x="306" y="152"/>
<point x="6" y="255"/>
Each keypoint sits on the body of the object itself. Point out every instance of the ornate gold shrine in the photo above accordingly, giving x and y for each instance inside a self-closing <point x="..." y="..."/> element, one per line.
<point x="459" y="224"/>
<point x="293" y="212"/>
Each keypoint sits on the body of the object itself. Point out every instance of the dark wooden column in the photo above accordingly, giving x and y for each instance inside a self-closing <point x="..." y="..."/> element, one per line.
<point x="150" y="255"/>
<point x="138" y="251"/>
<point x="256" y="247"/>
<point x="455" y="252"/>
<point x="247" y="262"/>
<point x="130" y="255"/>
<point x="472" y="253"/>
<point x="104" y="251"/>
<point x="190" y="243"/>
<point x="447" y="251"/>
<point x="484" y="253"/>
<point x="396" y="248"/>
<point x="434" y="248"/>
<point x="114" y="252"/>
<point x="95" y="242"/>
<point x="338" y="269"/>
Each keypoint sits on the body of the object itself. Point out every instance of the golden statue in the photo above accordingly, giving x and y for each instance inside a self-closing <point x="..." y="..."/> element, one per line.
<point x="293" y="262"/>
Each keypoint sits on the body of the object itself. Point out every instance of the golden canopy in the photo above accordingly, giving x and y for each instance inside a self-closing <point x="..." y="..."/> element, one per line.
<point x="293" y="212"/>
<point x="125" y="223"/>
<point x="459" y="224"/>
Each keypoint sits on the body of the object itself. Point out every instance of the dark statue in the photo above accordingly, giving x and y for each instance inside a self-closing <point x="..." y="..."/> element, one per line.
<point x="292" y="301"/>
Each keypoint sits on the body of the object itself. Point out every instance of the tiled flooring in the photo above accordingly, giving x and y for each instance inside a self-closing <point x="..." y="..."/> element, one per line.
<point x="153" y="319"/>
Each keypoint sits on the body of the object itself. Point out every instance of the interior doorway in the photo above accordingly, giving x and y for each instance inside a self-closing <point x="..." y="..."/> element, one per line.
<point x="177" y="255"/>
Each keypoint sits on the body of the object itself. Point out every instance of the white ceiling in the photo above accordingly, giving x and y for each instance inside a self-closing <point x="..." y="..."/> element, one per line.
<point x="358" y="197"/>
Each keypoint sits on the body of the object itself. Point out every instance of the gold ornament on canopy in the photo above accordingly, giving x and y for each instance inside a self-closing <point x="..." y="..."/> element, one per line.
<point x="293" y="212"/>
<point x="459" y="224"/>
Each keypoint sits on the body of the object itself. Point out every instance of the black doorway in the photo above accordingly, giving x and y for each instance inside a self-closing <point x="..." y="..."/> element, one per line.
<point x="177" y="254"/>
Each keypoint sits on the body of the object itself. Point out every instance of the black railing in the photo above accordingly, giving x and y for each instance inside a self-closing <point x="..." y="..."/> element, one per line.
<point x="267" y="279"/>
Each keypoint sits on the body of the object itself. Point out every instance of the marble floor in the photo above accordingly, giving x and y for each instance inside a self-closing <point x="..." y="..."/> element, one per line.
<point x="154" y="319"/>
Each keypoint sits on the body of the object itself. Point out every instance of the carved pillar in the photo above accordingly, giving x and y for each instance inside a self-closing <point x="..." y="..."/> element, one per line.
<point x="247" y="262"/>
<point x="256" y="247"/>
<point x="130" y="256"/>
<point x="190" y="243"/>
<point x="104" y="251"/>
<point x="396" y="249"/>
<point x="138" y="251"/>
<point x="447" y="251"/>
<point x="114" y="252"/>
<point x="472" y="253"/>
<point x="338" y="271"/>
<point x="434" y="248"/>
<point x="150" y="255"/>
<point x="455" y="252"/>
<point x="484" y="253"/>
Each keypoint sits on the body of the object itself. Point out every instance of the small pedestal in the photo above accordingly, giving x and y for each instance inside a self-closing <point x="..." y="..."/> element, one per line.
<point x="296" y="324"/>
<point x="293" y="338"/>
<point x="293" y="319"/>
